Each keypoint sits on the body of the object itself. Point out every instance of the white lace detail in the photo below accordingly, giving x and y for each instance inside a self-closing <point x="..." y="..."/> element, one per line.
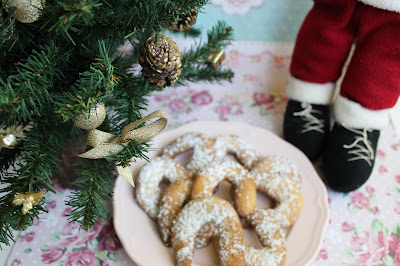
<point x="362" y="149"/>
<point x="313" y="123"/>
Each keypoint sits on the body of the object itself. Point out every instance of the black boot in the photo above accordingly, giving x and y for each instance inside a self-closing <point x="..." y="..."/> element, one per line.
<point x="349" y="157"/>
<point x="306" y="127"/>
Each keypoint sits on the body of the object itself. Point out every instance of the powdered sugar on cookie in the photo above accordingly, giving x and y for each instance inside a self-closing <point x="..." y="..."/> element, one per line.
<point x="244" y="151"/>
<point x="148" y="191"/>
<point x="205" y="210"/>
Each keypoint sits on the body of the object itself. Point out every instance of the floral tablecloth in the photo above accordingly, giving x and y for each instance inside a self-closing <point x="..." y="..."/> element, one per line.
<point x="364" y="227"/>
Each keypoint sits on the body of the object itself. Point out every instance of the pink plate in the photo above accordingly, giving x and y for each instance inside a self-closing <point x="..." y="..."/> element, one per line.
<point x="139" y="234"/>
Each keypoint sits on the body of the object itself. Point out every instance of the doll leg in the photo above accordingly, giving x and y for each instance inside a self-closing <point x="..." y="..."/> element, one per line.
<point x="369" y="90"/>
<point x="322" y="47"/>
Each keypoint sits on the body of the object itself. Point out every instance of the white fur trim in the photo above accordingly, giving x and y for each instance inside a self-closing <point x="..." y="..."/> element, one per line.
<point x="352" y="114"/>
<point x="395" y="116"/>
<point x="390" y="5"/>
<point x="309" y="92"/>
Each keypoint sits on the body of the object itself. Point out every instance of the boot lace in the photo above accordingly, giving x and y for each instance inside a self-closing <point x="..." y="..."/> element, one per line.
<point x="312" y="122"/>
<point x="361" y="148"/>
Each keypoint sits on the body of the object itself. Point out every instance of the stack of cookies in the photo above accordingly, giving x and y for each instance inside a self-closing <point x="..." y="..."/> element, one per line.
<point x="189" y="217"/>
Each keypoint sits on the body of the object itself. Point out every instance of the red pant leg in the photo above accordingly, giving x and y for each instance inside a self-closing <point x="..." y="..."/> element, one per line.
<point x="324" y="41"/>
<point x="373" y="76"/>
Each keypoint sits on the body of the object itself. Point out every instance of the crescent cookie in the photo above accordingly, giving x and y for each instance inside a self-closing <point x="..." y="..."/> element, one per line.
<point x="244" y="151"/>
<point x="267" y="256"/>
<point x="280" y="165"/>
<point x="164" y="208"/>
<point x="147" y="189"/>
<point x="201" y="211"/>
<point x="172" y="200"/>
<point x="203" y="152"/>
<point x="148" y="192"/>
<point x="244" y="187"/>
<point x="283" y="190"/>
<point x="170" y="207"/>
<point x="268" y="223"/>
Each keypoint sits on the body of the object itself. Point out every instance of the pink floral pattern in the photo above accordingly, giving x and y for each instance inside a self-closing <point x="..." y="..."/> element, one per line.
<point x="376" y="246"/>
<point x="346" y="227"/>
<point x="322" y="255"/>
<point x="52" y="205"/>
<point x="52" y="254"/>
<point x="183" y="102"/>
<point x="397" y="177"/>
<point x="270" y="103"/>
<point x="360" y="200"/>
<point x="28" y="237"/>
<point x="83" y="257"/>
<point x="394" y="248"/>
<point x="201" y="98"/>
<point x="16" y="262"/>
<point x="228" y="106"/>
<point x="108" y="240"/>
<point x="277" y="61"/>
<point x="69" y="245"/>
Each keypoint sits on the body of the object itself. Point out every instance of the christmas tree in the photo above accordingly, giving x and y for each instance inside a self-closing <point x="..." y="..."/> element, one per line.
<point x="60" y="69"/>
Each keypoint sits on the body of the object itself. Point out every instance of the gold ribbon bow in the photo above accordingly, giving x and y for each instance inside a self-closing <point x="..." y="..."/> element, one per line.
<point x="28" y="200"/>
<point x="106" y="144"/>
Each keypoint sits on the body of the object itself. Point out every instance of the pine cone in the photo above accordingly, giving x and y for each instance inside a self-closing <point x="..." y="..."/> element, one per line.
<point x="185" y="22"/>
<point x="161" y="61"/>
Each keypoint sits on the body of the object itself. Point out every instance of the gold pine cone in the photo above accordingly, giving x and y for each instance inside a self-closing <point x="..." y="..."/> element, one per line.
<point x="185" y="22"/>
<point x="161" y="61"/>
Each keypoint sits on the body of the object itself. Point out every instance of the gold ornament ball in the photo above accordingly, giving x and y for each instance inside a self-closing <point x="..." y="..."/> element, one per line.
<point x="26" y="11"/>
<point x="93" y="119"/>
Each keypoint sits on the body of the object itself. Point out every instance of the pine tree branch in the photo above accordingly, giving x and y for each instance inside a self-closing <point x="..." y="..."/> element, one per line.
<point x="155" y="15"/>
<point x="6" y="26"/>
<point x="93" y="86"/>
<point x="61" y="16"/>
<point x="219" y="36"/>
<point x="191" y="32"/>
<point x="204" y="73"/>
<point x="194" y="60"/>
<point x="27" y="90"/>
<point x="94" y="187"/>
<point x="11" y="217"/>
<point x="128" y="102"/>
<point x="8" y="158"/>
<point x="38" y="162"/>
